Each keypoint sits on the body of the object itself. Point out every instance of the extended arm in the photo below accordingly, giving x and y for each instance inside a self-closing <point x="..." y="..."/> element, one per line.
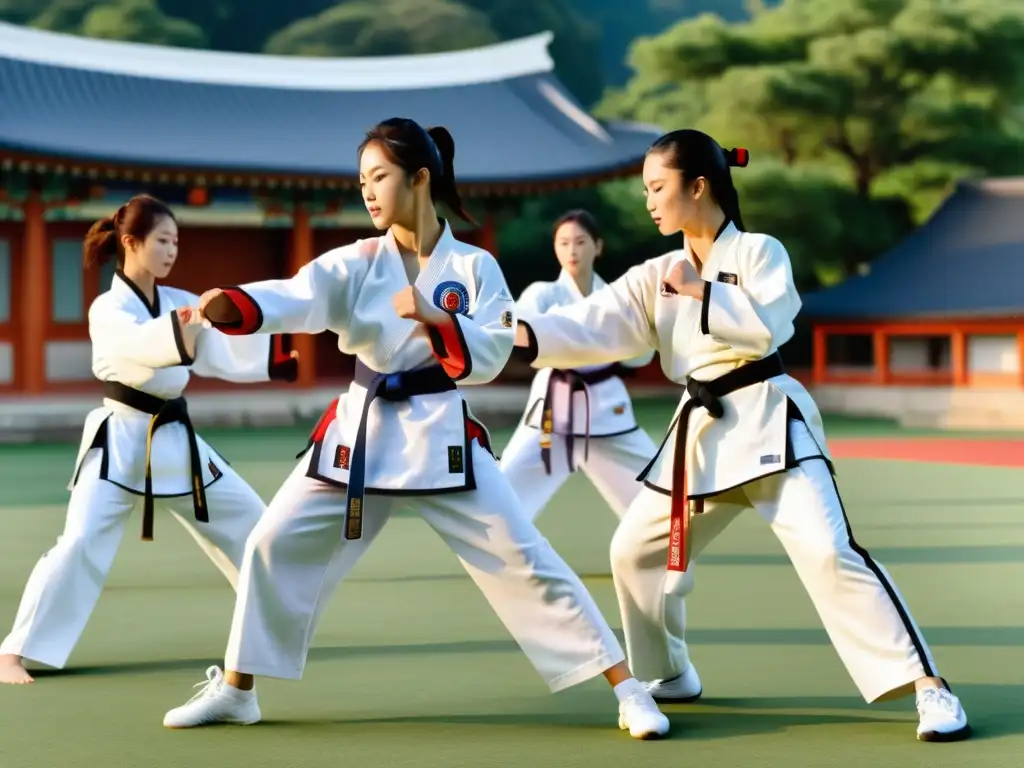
<point x="158" y="343"/>
<point x="318" y="297"/>
<point x="758" y="315"/>
<point x="610" y="325"/>
<point x="474" y="349"/>
<point x="244" y="359"/>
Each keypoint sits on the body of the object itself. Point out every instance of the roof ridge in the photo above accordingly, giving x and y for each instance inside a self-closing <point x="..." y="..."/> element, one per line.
<point x="499" y="61"/>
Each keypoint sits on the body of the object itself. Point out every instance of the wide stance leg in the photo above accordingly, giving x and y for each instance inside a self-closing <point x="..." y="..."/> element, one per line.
<point x="522" y="466"/>
<point x="614" y="464"/>
<point x="235" y="508"/>
<point x="293" y="561"/>
<point x="863" y="612"/>
<point x="538" y="598"/>
<point x="67" y="581"/>
<point x="654" y="622"/>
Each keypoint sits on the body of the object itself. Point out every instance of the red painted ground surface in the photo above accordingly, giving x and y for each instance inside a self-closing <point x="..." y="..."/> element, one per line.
<point x="945" y="450"/>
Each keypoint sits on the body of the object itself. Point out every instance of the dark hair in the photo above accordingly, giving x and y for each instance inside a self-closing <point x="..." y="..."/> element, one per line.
<point x="581" y="218"/>
<point x="136" y="218"/>
<point x="411" y="147"/>
<point x="696" y="154"/>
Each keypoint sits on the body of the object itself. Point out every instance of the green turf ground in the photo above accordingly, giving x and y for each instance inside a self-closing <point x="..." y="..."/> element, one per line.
<point x="410" y="668"/>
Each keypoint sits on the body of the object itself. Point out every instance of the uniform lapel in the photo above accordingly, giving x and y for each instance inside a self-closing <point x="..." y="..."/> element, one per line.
<point x="569" y="284"/>
<point x="122" y="282"/>
<point x="723" y="242"/>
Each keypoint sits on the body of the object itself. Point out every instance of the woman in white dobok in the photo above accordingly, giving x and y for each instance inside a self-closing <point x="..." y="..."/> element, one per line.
<point x="580" y="417"/>
<point x="422" y="311"/>
<point x="140" y="443"/>
<point x="746" y="436"/>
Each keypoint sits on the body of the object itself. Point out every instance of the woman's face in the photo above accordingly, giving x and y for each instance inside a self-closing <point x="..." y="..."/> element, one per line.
<point x="387" y="193"/>
<point x="673" y="204"/>
<point x="575" y="248"/>
<point x="158" y="252"/>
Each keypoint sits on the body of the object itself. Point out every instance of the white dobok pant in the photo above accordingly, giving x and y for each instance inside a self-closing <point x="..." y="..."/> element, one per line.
<point x="67" y="581"/>
<point x="297" y="555"/>
<point x="862" y="611"/>
<point x="612" y="466"/>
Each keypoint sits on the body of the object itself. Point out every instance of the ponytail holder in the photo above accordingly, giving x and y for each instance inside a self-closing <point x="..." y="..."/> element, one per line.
<point x="737" y="158"/>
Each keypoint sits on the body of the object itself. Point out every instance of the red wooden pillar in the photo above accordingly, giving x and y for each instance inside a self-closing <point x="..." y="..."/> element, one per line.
<point x="301" y="253"/>
<point x="30" y="365"/>
<point x="881" y="353"/>
<point x="958" y="357"/>
<point x="819" y="364"/>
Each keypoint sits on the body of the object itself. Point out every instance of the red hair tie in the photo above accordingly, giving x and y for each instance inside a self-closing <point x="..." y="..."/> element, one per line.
<point x="739" y="157"/>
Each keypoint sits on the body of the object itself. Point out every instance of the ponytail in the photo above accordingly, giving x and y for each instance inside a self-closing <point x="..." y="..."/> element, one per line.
<point x="102" y="244"/>
<point x="696" y="154"/>
<point x="442" y="186"/>
<point x="727" y="196"/>
<point x="135" y="219"/>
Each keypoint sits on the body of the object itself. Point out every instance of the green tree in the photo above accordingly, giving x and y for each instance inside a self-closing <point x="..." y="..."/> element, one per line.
<point x="64" y="15"/>
<point x="21" y="11"/>
<point x="577" y="45"/>
<point x="141" y="21"/>
<point x="900" y="96"/>
<point x="384" y="28"/>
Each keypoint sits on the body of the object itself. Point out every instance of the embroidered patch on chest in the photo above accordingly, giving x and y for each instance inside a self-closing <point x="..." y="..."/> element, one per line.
<point x="342" y="456"/>
<point x="771" y="458"/>
<point x="506" y="319"/>
<point x="452" y="296"/>
<point x="618" y="410"/>
<point x="455" y="459"/>
<point x="728" y="277"/>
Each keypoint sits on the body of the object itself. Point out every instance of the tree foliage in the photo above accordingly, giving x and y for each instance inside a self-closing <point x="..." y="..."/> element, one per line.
<point x="385" y="28"/>
<point x="141" y="21"/>
<point x="900" y="97"/>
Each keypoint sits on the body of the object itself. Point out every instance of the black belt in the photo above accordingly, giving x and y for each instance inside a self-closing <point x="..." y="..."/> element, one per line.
<point x="394" y="387"/>
<point x="703" y="394"/>
<point x="162" y="412"/>
<point x="577" y="382"/>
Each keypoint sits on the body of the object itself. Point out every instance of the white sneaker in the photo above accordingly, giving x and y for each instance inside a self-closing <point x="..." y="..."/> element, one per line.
<point x="639" y="714"/>
<point x="682" y="688"/>
<point x="217" y="702"/>
<point x="942" y="716"/>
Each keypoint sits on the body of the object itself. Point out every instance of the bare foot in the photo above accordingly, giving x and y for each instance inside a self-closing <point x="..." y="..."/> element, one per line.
<point x="12" y="671"/>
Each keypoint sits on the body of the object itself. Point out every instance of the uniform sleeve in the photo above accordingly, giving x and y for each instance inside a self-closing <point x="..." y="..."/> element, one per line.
<point x="639" y="361"/>
<point x="532" y="301"/>
<point x="757" y="316"/>
<point x="474" y="349"/>
<point x="612" y="324"/>
<point x="318" y="297"/>
<point x="155" y="343"/>
<point x="244" y="359"/>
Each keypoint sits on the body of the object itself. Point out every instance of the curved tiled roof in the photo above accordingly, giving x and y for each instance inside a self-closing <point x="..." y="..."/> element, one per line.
<point x="966" y="261"/>
<point x="142" y="106"/>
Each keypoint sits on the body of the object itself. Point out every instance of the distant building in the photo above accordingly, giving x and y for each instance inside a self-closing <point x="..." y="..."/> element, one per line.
<point x="941" y="312"/>
<point x="258" y="156"/>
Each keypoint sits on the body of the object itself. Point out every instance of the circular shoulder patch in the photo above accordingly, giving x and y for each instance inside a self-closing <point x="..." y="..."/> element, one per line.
<point x="452" y="297"/>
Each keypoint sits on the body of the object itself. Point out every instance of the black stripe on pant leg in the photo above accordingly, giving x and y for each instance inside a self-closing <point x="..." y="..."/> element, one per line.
<point x="873" y="567"/>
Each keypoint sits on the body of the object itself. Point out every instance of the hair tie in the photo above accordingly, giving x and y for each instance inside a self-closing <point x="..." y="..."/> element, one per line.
<point x="738" y="157"/>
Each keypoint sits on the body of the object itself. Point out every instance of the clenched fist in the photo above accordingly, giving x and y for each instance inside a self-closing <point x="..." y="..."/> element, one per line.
<point x="412" y="305"/>
<point x="187" y="315"/>
<point x="683" y="279"/>
<point x="216" y="308"/>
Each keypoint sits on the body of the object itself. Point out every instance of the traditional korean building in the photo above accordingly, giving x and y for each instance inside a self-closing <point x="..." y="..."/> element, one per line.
<point x="944" y="309"/>
<point x="258" y="156"/>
